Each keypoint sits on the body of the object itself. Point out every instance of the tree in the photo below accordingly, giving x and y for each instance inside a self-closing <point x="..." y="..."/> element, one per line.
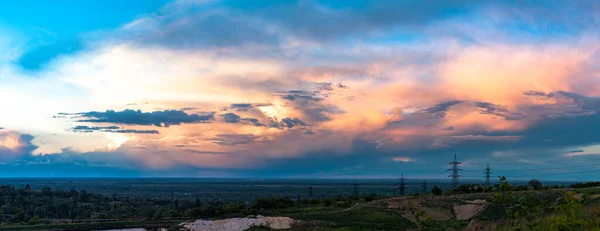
<point x="27" y="187"/>
<point x="328" y="202"/>
<point x="436" y="190"/>
<point x="84" y="196"/>
<point x="535" y="184"/>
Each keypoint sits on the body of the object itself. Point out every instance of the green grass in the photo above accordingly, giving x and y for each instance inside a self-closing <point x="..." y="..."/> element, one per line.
<point x="97" y="226"/>
<point x="359" y="218"/>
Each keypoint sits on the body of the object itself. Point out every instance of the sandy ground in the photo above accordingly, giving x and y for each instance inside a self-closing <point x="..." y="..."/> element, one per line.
<point x="239" y="224"/>
<point x="465" y="212"/>
<point x="438" y="214"/>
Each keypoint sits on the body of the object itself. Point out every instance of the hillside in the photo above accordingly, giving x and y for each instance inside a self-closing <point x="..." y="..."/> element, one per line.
<point x="556" y="209"/>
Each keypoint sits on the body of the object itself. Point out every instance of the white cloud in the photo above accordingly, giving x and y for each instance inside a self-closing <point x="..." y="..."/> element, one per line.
<point x="404" y="159"/>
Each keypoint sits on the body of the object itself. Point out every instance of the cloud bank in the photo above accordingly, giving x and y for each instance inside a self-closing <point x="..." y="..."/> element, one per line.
<point x="250" y="88"/>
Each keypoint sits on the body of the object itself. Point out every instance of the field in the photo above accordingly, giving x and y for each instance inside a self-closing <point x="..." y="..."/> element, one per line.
<point x="71" y="204"/>
<point x="246" y="190"/>
<point x="228" y="190"/>
<point x="524" y="210"/>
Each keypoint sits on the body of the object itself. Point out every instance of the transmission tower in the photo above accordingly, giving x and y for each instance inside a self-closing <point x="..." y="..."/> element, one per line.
<point x="454" y="169"/>
<point x="401" y="185"/>
<point x="310" y="192"/>
<point x="487" y="172"/>
<point x="355" y="191"/>
<point x="424" y="186"/>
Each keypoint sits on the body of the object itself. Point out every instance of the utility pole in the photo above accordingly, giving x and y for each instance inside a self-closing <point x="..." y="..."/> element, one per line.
<point x="454" y="169"/>
<point x="355" y="189"/>
<point x="487" y="172"/>
<point x="310" y="192"/>
<point x="402" y="185"/>
<point x="424" y="186"/>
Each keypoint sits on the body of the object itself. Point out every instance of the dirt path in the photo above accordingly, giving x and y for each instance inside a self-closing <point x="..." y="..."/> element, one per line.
<point x="348" y="209"/>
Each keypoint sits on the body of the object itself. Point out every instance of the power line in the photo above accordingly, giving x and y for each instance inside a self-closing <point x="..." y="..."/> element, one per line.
<point x="538" y="169"/>
<point x="560" y="173"/>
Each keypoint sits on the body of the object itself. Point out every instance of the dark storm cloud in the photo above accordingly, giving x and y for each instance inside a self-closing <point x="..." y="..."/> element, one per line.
<point x="449" y="128"/>
<point x="301" y="95"/>
<point x="340" y="85"/>
<point x="25" y="146"/>
<point x="247" y="106"/>
<point x="231" y="118"/>
<point x="83" y="128"/>
<point x="492" y="109"/>
<point x="564" y="104"/>
<point x="252" y="121"/>
<point x="320" y="112"/>
<point x="311" y="102"/>
<point x="134" y="131"/>
<point x="114" y="129"/>
<point x="564" y="131"/>
<point x="234" y="118"/>
<point x="286" y="123"/>
<point x="157" y="118"/>
<point x="325" y="86"/>
<point x="268" y="24"/>
<point x="239" y="23"/>
<point x="441" y="109"/>
<point x="234" y="139"/>
<point x="498" y="110"/>
<point x="290" y="123"/>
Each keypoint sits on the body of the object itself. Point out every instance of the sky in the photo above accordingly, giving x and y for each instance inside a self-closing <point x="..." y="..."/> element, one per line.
<point x="302" y="89"/>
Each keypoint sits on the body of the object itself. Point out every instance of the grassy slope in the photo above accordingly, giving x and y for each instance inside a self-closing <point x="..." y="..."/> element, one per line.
<point x="376" y="216"/>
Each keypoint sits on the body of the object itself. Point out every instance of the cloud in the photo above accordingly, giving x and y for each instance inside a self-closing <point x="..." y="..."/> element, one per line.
<point x="286" y="123"/>
<point x="164" y="118"/>
<point x="14" y="145"/>
<point x="290" y="123"/>
<point x="234" y="139"/>
<point x="231" y="118"/>
<point x="440" y="109"/>
<point x="83" y="128"/>
<point x="134" y="131"/>
<point x="323" y="93"/>
<point x="301" y="95"/>
<point x="247" y="106"/>
<point x="234" y="118"/>
<point x="402" y="159"/>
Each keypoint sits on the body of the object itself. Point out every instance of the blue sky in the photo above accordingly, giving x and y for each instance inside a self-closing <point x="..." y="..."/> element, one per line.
<point x="302" y="88"/>
<point x="52" y="28"/>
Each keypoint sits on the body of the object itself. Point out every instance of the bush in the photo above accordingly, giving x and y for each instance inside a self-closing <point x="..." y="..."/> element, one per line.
<point x="327" y="202"/>
<point x="315" y="202"/>
<point x="436" y="190"/>
<point x="535" y="184"/>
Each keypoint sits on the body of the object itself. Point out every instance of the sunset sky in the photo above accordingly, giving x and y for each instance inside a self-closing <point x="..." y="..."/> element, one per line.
<point x="307" y="89"/>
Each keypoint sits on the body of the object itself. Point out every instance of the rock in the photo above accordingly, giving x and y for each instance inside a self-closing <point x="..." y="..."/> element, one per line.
<point x="477" y="226"/>
<point x="465" y="212"/>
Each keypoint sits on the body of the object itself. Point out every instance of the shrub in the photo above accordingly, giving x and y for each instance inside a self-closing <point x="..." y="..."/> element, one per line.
<point x="436" y="190"/>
